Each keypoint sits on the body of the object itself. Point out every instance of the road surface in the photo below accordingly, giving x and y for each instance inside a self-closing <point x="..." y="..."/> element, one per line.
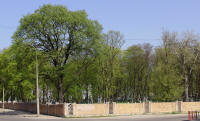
<point x="11" y="115"/>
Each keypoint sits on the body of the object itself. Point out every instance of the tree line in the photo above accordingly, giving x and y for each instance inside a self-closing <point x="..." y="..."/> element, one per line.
<point x="79" y="63"/>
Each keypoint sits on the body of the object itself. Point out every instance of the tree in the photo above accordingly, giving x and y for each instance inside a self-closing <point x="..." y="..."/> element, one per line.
<point x="137" y="63"/>
<point x="186" y="50"/>
<point x="166" y="82"/>
<point x="58" y="33"/>
<point x="108" y="62"/>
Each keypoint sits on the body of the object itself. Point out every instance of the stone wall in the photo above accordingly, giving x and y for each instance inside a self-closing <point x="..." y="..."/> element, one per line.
<point x="49" y="109"/>
<point x="91" y="109"/>
<point x="130" y="108"/>
<point x="68" y="109"/>
<point x="163" y="107"/>
<point x="190" y="106"/>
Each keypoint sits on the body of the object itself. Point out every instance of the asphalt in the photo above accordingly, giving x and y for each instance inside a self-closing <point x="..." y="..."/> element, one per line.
<point x="11" y="115"/>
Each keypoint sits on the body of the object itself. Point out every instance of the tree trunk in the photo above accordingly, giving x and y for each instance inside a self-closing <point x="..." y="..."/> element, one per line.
<point x="186" y="88"/>
<point x="87" y="95"/>
<point x="60" y="89"/>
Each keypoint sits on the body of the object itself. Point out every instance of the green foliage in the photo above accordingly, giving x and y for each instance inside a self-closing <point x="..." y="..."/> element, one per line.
<point x="78" y="63"/>
<point x="165" y="84"/>
<point x="59" y="34"/>
<point x="28" y="87"/>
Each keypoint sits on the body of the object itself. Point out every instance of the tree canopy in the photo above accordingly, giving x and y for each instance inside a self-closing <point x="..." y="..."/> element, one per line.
<point x="79" y="63"/>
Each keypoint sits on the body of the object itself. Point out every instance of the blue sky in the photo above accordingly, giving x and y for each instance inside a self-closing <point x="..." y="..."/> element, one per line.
<point x="141" y="21"/>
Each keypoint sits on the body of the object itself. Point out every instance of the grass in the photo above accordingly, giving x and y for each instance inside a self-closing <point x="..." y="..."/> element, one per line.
<point x="101" y="116"/>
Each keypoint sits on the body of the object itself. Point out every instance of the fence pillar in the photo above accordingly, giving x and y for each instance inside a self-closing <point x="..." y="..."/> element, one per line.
<point x="114" y="108"/>
<point x="12" y="107"/>
<point x="150" y="107"/>
<point x="111" y="108"/>
<point x="143" y="104"/>
<point x="107" y="105"/>
<point x="74" y="108"/>
<point x="147" y="107"/>
<point x="65" y="109"/>
<point x="47" y="108"/>
<point x="179" y="106"/>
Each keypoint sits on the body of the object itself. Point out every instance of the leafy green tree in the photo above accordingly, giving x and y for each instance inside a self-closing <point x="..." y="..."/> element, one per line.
<point x="186" y="52"/>
<point x="108" y="62"/>
<point x="137" y="62"/>
<point x="59" y="34"/>
<point x="166" y="82"/>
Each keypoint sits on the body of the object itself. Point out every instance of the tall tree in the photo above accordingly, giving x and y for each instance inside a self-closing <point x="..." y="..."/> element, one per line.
<point x="137" y="60"/>
<point x="109" y="63"/>
<point x="58" y="33"/>
<point x="186" y="50"/>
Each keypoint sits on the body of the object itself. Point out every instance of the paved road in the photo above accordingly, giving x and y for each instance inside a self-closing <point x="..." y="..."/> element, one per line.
<point x="11" y="115"/>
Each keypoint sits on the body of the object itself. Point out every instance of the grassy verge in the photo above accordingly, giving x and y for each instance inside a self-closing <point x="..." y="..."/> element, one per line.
<point x="125" y="115"/>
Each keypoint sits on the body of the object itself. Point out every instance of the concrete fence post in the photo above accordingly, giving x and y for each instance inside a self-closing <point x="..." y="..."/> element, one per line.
<point x="147" y="107"/>
<point x="176" y="103"/>
<point x="114" y="108"/>
<point x="65" y="109"/>
<point x="143" y="105"/>
<point x="150" y="107"/>
<point x="13" y="105"/>
<point x="55" y="105"/>
<point x="180" y="103"/>
<point x="107" y="105"/>
<point x="74" y="108"/>
<point x="111" y="108"/>
<point x="47" y="108"/>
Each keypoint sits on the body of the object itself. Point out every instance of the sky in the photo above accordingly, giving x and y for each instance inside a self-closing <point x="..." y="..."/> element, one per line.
<point x="140" y="21"/>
